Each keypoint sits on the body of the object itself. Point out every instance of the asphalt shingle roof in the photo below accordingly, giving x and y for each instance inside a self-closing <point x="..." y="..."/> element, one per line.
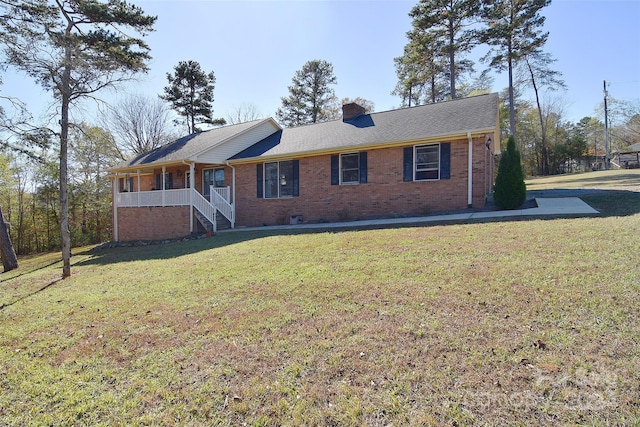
<point x="407" y="124"/>
<point x="187" y="146"/>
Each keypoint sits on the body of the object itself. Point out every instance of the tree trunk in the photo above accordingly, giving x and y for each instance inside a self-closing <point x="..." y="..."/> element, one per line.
<point x="544" y="152"/>
<point x="65" y="233"/>
<point x="452" y="65"/>
<point x="512" y="107"/>
<point x="9" y="259"/>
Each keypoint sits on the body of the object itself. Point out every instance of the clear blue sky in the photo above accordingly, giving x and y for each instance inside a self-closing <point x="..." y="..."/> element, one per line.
<point x="255" y="47"/>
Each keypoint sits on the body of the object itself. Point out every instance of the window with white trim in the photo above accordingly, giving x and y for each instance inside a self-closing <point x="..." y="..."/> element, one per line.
<point x="278" y="179"/>
<point x="426" y="162"/>
<point x="350" y="168"/>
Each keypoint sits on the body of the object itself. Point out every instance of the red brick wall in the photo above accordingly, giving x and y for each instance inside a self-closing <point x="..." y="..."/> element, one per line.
<point x="384" y="195"/>
<point x="153" y="223"/>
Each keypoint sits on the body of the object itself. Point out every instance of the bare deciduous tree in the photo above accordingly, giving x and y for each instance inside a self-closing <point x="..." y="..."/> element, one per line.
<point x="139" y="124"/>
<point x="243" y="113"/>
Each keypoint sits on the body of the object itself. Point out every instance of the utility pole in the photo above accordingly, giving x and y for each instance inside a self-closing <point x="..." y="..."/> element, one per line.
<point x="606" y="129"/>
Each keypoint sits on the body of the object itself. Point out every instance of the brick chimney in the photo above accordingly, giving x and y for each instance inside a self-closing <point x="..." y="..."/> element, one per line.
<point x="351" y="110"/>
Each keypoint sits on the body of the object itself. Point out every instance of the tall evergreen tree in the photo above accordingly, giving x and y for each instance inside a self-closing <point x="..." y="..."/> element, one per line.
<point x="421" y="71"/>
<point x="190" y="93"/>
<point x="310" y="95"/>
<point x="448" y="22"/>
<point x="513" y="30"/>
<point x="510" y="191"/>
<point x="73" y="48"/>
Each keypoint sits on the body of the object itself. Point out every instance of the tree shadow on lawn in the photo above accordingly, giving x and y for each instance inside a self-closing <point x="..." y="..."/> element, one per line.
<point x="610" y="203"/>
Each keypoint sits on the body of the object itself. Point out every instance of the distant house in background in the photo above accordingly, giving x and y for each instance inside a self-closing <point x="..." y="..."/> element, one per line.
<point x="405" y="162"/>
<point x="629" y="158"/>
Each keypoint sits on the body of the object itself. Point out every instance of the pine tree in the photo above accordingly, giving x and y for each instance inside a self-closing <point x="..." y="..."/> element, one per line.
<point x="510" y="191"/>
<point x="190" y="93"/>
<point x="448" y="23"/>
<point x="310" y="95"/>
<point x="513" y="31"/>
<point x="73" y="48"/>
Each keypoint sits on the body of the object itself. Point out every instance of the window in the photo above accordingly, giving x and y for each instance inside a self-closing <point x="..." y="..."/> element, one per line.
<point x="349" y="168"/>
<point x="427" y="162"/>
<point x="280" y="179"/>
<point x="125" y="185"/>
<point x="218" y="177"/>
<point x="168" y="181"/>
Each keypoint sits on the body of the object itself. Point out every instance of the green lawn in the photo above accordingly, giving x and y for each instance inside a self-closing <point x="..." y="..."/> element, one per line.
<point x="529" y="322"/>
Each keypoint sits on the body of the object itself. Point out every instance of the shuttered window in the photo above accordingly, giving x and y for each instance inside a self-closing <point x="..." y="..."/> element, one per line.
<point x="349" y="168"/>
<point x="428" y="162"/>
<point x="280" y="180"/>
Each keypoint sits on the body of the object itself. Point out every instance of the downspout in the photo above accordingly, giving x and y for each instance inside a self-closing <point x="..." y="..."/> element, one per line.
<point x="470" y="174"/>
<point x="114" y="194"/>
<point x="233" y="194"/>
<point x="192" y="188"/>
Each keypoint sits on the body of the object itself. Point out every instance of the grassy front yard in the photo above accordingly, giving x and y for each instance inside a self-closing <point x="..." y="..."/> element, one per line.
<point x="531" y="322"/>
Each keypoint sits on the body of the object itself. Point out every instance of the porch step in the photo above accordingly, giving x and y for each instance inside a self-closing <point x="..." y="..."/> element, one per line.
<point x="222" y="223"/>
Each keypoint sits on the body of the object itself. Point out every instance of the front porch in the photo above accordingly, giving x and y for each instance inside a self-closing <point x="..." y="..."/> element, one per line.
<point x="211" y="210"/>
<point x="199" y="207"/>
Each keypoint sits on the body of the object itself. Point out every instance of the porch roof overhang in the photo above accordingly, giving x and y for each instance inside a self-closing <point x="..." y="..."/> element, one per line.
<point x="214" y="146"/>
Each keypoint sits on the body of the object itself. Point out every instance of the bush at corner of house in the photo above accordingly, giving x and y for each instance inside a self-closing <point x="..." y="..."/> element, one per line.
<point x="510" y="191"/>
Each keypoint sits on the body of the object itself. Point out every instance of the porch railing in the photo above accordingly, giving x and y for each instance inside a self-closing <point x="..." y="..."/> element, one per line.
<point x="178" y="197"/>
<point x="220" y="197"/>
<point x="224" y="192"/>
<point x="205" y="208"/>
<point x="220" y="201"/>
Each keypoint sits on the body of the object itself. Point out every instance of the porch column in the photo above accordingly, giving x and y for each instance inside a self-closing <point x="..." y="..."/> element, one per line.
<point x="192" y="181"/>
<point x="138" y="192"/>
<point x="164" y="170"/>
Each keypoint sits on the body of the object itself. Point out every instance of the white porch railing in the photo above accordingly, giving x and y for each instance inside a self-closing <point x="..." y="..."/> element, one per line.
<point x="205" y="208"/>
<point x="224" y="192"/>
<point x="220" y="197"/>
<point x="220" y="201"/>
<point x="154" y="198"/>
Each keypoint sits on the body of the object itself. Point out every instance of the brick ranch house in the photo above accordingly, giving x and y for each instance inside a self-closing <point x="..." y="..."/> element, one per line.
<point x="405" y="162"/>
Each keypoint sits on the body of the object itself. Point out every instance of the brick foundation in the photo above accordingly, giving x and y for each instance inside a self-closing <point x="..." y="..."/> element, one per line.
<point x="153" y="223"/>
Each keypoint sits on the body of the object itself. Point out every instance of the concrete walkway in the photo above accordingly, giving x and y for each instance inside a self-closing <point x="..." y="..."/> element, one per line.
<point x="546" y="206"/>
